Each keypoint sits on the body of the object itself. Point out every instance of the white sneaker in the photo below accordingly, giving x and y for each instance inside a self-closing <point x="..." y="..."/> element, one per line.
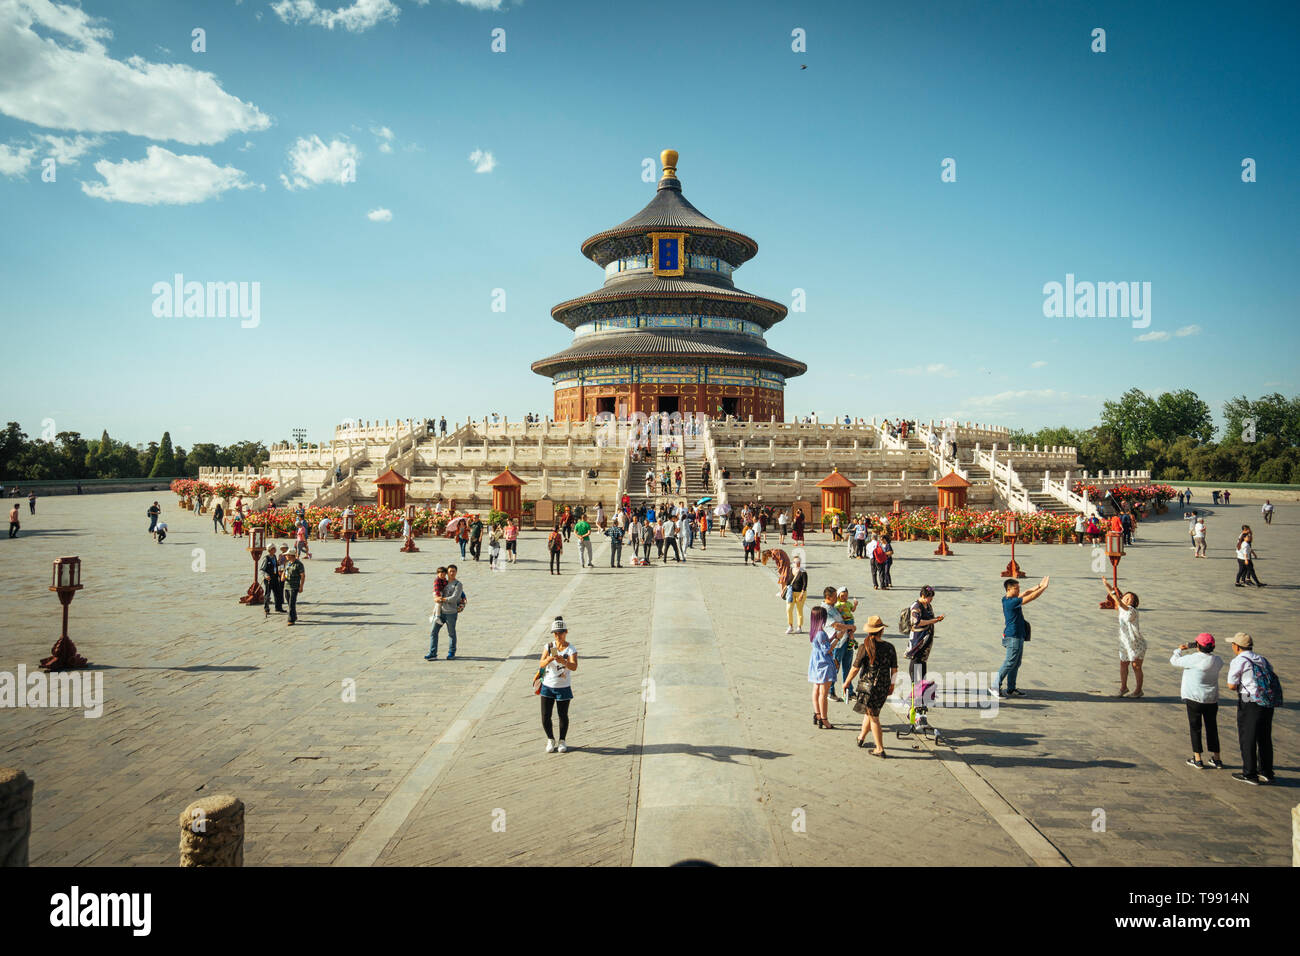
<point x="550" y="746"/>
<point x="563" y="748"/>
<point x="789" y="630"/>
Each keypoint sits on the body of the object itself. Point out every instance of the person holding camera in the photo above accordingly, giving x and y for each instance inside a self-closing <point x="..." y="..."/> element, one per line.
<point x="1200" y="692"/>
<point x="559" y="661"/>
<point x="1015" y="632"/>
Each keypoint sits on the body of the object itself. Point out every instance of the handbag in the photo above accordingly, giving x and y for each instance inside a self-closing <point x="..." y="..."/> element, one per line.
<point x="789" y="593"/>
<point x="537" y="678"/>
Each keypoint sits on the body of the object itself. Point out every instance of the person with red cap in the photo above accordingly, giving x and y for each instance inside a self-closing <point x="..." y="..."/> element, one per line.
<point x="1200" y="692"/>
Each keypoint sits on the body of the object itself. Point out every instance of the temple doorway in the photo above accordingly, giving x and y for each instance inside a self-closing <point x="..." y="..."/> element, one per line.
<point x="667" y="404"/>
<point x="730" y="407"/>
<point x="605" y="405"/>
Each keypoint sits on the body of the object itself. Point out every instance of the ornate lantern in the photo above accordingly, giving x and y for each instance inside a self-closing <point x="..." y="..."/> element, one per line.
<point x="943" y="548"/>
<point x="66" y="582"/>
<point x="409" y="546"/>
<point x="1114" y="551"/>
<point x="256" y="545"/>
<point x="1011" y="531"/>
<point x="347" y="566"/>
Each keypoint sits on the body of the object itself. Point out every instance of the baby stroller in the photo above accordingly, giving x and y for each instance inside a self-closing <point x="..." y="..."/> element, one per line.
<point x="918" y="722"/>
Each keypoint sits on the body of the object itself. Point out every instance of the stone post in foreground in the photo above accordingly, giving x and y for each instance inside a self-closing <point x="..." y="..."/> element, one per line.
<point x="15" y="816"/>
<point x="212" y="832"/>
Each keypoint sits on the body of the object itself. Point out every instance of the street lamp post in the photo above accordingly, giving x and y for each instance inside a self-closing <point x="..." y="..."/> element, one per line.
<point x="409" y="546"/>
<point x="256" y="545"/>
<point x="1114" y="551"/>
<point x="346" y="566"/>
<point x="943" y="548"/>
<point x="1011" y="531"/>
<point x="66" y="582"/>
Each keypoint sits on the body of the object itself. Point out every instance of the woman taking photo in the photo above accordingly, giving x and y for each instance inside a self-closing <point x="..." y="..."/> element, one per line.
<point x="1200" y="692"/>
<point x="559" y="661"/>
<point x="821" y="666"/>
<point x="877" y="662"/>
<point x="796" y="592"/>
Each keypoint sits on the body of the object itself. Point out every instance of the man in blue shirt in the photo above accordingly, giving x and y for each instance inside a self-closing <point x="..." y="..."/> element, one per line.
<point x="1015" y="632"/>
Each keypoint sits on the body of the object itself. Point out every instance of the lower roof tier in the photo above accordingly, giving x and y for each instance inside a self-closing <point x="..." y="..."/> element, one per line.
<point x="669" y="347"/>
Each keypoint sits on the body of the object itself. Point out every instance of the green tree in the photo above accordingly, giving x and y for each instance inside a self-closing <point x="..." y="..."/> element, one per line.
<point x="1131" y="419"/>
<point x="1175" y="414"/>
<point x="12" y="443"/>
<point x="164" y="463"/>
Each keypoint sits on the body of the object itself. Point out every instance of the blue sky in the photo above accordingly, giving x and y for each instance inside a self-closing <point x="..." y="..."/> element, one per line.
<point x="924" y="298"/>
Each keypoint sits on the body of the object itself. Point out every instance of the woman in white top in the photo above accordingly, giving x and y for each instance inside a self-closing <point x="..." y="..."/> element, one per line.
<point x="559" y="661"/>
<point x="1132" y="646"/>
<point x="1200" y="692"/>
<point x="781" y="520"/>
<point x="1246" y="559"/>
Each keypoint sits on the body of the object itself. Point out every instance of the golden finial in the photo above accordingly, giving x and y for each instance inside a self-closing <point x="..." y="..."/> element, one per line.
<point x="668" y="159"/>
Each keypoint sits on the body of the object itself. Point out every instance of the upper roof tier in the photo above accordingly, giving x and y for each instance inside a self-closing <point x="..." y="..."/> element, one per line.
<point x="668" y="210"/>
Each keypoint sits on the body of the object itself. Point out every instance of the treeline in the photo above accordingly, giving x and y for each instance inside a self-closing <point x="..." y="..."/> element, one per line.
<point x="1173" y="433"/>
<point x="70" y="456"/>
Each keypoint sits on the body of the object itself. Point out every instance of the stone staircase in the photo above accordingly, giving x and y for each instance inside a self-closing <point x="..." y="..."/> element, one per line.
<point x="690" y="460"/>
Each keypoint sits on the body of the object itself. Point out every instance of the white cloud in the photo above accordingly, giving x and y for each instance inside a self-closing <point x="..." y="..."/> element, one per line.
<point x="484" y="162"/>
<point x="1153" y="337"/>
<point x="164" y="177"/>
<point x="66" y="150"/>
<point x="1187" y="330"/>
<point x="477" y="4"/>
<point x="380" y="215"/>
<point x="361" y="15"/>
<point x="315" y="163"/>
<point x="63" y="78"/>
<point x="1039" y="364"/>
<point x="934" y="368"/>
<point x="14" y="160"/>
<point x="386" y="135"/>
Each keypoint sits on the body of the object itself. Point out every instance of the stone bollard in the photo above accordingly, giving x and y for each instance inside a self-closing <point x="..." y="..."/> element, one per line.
<point x="212" y="832"/>
<point x="1295" y="835"/>
<point x="15" y="816"/>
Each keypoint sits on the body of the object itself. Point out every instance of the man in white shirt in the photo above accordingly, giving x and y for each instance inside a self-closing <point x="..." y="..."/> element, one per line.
<point x="1254" y="714"/>
<point x="1198" y="537"/>
<point x="872" y="545"/>
<point x="670" y="538"/>
<point x="1267" y="511"/>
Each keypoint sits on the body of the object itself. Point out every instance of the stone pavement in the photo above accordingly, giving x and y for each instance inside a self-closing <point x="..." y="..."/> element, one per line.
<point x="690" y="727"/>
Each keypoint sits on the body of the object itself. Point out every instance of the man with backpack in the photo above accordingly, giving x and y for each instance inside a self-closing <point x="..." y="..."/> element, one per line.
<point x="555" y="545"/>
<point x="295" y="576"/>
<point x="1259" y="693"/>
<point x="615" y="534"/>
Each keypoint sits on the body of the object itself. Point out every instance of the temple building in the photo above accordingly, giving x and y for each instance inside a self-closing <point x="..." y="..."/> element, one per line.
<point x="669" y="331"/>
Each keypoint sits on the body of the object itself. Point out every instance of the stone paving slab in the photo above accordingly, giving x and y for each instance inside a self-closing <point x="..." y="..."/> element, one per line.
<point x="202" y="695"/>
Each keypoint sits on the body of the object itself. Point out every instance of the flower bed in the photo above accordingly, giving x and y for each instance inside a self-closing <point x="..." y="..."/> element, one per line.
<point x="369" y="520"/>
<point x="258" y="485"/>
<point x="1127" y="494"/>
<point x="186" y="488"/>
<point x="970" y="524"/>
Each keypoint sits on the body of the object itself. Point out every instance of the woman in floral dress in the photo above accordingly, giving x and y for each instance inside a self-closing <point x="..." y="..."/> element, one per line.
<point x="877" y="661"/>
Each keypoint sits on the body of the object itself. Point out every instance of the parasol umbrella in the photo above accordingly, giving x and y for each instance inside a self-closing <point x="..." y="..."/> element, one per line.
<point x="705" y="499"/>
<point x="454" y="524"/>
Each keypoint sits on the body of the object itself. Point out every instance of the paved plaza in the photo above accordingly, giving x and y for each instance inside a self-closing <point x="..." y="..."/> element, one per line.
<point x="691" y="734"/>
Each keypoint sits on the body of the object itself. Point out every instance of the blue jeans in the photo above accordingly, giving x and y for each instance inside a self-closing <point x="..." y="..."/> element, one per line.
<point x="1011" y="666"/>
<point x="462" y="549"/>
<point x="844" y="657"/>
<point x="448" y="618"/>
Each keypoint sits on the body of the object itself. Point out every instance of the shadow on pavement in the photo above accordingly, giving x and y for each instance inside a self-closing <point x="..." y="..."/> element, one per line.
<point x="722" y="754"/>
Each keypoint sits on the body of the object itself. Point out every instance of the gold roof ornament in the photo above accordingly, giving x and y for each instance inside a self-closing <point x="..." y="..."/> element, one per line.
<point x="668" y="159"/>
